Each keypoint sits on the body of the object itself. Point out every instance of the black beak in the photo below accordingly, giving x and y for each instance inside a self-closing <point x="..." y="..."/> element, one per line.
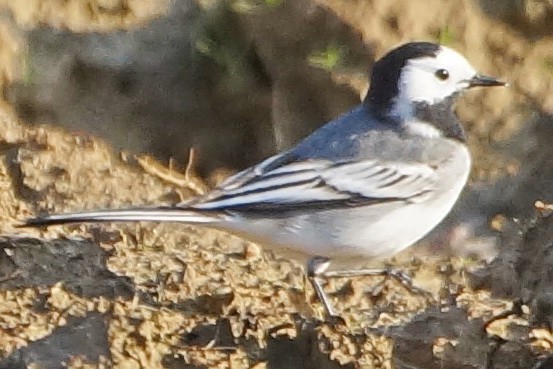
<point x="480" y="80"/>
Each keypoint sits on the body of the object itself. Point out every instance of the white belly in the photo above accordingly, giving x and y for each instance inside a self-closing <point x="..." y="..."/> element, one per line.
<point x="367" y="232"/>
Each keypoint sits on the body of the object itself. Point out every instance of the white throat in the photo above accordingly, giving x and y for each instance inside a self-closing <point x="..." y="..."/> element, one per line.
<point x="421" y="128"/>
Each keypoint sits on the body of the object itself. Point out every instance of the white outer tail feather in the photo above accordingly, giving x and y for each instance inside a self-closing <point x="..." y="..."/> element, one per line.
<point x="128" y="215"/>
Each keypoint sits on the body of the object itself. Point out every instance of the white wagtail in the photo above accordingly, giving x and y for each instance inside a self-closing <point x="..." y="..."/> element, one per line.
<point x="366" y="185"/>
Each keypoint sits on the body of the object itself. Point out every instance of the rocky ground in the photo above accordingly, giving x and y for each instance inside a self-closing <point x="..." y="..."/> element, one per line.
<point x="236" y="80"/>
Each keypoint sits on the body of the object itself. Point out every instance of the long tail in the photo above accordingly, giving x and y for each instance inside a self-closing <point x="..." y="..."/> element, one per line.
<point x="158" y="214"/>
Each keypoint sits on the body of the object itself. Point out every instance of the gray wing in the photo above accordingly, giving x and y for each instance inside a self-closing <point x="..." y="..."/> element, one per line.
<point x="257" y="171"/>
<point x="282" y="182"/>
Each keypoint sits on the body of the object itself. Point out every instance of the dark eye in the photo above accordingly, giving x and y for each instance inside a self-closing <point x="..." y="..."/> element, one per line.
<point x="442" y="74"/>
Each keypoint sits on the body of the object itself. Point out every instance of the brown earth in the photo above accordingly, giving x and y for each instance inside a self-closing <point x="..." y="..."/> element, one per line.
<point x="171" y="296"/>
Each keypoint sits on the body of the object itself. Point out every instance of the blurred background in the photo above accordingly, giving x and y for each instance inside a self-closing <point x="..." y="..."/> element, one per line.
<point x="240" y="79"/>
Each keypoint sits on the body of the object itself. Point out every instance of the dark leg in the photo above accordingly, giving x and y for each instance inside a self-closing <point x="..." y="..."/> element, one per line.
<point x="399" y="276"/>
<point x="315" y="268"/>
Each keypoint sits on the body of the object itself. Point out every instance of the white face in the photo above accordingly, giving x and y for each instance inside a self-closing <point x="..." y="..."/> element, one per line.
<point x="432" y="79"/>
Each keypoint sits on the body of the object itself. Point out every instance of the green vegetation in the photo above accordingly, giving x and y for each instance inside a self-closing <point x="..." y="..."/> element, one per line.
<point x="273" y="3"/>
<point x="446" y="36"/>
<point x="548" y="64"/>
<point x="247" y="6"/>
<point x="329" y="58"/>
<point x="29" y="72"/>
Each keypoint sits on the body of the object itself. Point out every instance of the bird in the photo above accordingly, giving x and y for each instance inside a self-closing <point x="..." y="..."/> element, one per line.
<point x="364" y="186"/>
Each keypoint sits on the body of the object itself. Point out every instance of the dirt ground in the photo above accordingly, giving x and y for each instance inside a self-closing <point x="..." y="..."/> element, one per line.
<point x="172" y="296"/>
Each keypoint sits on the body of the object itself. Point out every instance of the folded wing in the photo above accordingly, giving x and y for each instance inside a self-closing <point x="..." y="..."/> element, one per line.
<point x="292" y="184"/>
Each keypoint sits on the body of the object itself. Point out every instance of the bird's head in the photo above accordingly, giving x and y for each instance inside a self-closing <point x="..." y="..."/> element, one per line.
<point x="421" y="73"/>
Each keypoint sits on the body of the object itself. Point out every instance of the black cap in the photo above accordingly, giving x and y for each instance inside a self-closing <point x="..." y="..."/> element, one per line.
<point x="386" y="71"/>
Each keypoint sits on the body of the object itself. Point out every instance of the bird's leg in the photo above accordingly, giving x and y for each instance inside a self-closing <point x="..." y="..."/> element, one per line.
<point x="316" y="267"/>
<point x="399" y="276"/>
